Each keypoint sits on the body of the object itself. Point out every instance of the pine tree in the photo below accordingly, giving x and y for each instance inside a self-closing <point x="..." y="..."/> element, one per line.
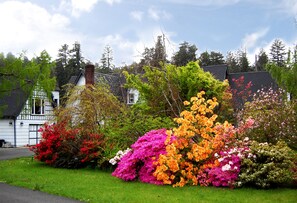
<point x="261" y="61"/>
<point x="106" y="63"/>
<point x="185" y="54"/>
<point x="278" y="52"/>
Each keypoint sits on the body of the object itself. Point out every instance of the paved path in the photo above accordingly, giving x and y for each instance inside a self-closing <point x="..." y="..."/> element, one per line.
<point x="13" y="194"/>
<point x="11" y="153"/>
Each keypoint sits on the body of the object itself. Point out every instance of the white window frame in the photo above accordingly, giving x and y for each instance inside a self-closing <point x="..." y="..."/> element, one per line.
<point x="41" y="104"/>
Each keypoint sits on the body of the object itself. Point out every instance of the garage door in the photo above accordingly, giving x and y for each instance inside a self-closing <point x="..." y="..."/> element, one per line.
<point x="34" y="135"/>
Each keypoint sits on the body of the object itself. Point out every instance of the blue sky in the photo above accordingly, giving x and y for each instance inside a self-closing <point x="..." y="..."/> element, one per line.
<point x="130" y="25"/>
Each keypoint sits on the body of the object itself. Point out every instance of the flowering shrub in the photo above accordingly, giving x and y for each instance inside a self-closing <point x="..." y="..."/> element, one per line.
<point x="267" y="165"/>
<point x="138" y="163"/>
<point x="198" y="138"/>
<point x="226" y="174"/>
<point x="68" y="148"/>
<point x="275" y="118"/>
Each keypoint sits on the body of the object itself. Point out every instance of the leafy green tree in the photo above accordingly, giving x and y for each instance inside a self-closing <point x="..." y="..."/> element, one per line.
<point x="204" y="59"/>
<point x="278" y="52"/>
<point x="19" y="73"/>
<point x="167" y="88"/>
<point x="185" y="54"/>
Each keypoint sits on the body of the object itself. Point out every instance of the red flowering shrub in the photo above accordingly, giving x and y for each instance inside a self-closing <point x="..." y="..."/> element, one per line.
<point x="68" y="148"/>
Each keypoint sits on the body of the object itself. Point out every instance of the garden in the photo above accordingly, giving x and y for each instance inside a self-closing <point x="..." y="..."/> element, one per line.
<point x="184" y="132"/>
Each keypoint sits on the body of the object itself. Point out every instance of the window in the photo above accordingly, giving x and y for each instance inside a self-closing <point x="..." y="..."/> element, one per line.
<point x="131" y="99"/>
<point x="37" y="106"/>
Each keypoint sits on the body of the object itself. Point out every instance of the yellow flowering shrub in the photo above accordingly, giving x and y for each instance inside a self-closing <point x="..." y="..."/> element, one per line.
<point x="198" y="138"/>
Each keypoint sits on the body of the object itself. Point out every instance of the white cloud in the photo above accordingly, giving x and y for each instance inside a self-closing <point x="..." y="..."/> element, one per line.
<point x="126" y="51"/>
<point x="77" y="7"/>
<point x="250" y="40"/>
<point x="204" y="2"/>
<point x="289" y="6"/>
<point x="137" y="15"/>
<point x="157" y="14"/>
<point x="28" y="27"/>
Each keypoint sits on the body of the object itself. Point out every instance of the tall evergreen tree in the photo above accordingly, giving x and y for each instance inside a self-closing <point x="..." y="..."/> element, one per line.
<point x="242" y="61"/>
<point x="106" y="62"/>
<point x="231" y="62"/>
<point x="212" y="58"/>
<point x="204" y="59"/>
<point x="261" y="61"/>
<point x="278" y="52"/>
<point x="69" y="63"/>
<point x="159" y="55"/>
<point x="185" y="54"/>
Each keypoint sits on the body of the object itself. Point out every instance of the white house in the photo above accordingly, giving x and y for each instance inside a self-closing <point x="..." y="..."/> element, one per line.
<point x="23" y="114"/>
<point x="115" y="81"/>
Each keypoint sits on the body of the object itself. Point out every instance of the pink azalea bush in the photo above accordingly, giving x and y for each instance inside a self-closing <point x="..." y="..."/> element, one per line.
<point x="138" y="163"/>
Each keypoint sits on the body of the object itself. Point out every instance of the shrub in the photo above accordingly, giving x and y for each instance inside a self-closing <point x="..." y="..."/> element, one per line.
<point x="275" y="118"/>
<point x="68" y="148"/>
<point x="138" y="163"/>
<point x="198" y="138"/>
<point x="267" y="165"/>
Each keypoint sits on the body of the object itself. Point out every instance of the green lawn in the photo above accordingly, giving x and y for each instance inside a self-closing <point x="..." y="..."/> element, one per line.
<point x="91" y="185"/>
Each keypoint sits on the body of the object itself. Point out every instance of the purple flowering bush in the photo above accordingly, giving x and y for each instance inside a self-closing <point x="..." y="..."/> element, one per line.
<point x="138" y="163"/>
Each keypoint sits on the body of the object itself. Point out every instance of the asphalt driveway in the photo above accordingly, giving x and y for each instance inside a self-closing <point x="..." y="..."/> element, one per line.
<point x="12" y="153"/>
<point x="13" y="194"/>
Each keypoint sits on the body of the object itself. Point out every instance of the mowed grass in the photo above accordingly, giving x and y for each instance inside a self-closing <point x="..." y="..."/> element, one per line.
<point x="89" y="185"/>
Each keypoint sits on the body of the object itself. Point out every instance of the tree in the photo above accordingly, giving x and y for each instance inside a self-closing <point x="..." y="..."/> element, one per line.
<point x="185" y="54"/>
<point x="167" y="88"/>
<point x="106" y="65"/>
<point x="261" y="61"/>
<point x="19" y="73"/>
<point x="277" y="52"/>
<point x="212" y="58"/>
<point x="216" y="58"/>
<point x="231" y="62"/>
<point x="159" y="55"/>
<point x="69" y="63"/>
<point x="204" y="59"/>
<point x="242" y="61"/>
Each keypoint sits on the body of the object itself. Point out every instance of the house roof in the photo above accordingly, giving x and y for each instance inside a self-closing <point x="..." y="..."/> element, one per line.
<point x="115" y="81"/>
<point x="218" y="71"/>
<point x="259" y="80"/>
<point x="11" y="105"/>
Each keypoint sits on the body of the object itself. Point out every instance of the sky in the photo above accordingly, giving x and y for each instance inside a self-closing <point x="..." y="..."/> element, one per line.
<point x="128" y="26"/>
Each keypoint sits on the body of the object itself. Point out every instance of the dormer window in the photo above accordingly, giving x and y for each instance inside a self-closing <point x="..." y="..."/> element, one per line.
<point x="37" y="106"/>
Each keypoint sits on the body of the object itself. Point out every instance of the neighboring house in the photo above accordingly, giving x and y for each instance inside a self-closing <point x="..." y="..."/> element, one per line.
<point x="23" y="114"/>
<point x="260" y="80"/>
<point x="115" y="81"/>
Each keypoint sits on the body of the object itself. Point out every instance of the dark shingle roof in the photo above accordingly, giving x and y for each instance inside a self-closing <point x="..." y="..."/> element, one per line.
<point x="115" y="82"/>
<point x="259" y="80"/>
<point x="11" y="105"/>
<point x="218" y="71"/>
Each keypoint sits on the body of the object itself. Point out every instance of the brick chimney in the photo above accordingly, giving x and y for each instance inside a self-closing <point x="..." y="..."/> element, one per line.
<point x="89" y="74"/>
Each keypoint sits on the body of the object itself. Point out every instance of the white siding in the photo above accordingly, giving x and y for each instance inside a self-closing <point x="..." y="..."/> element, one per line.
<point x="6" y="130"/>
<point x="135" y="94"/>
<point x="24" y="120"/>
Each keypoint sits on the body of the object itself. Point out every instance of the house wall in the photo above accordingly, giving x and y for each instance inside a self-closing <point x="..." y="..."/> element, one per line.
<point x="6" y="129"/>
<point x="26" y="124"/>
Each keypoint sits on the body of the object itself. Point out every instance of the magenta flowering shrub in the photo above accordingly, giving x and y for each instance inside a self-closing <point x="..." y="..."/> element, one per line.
<point x="228" y="170"/>
<point x="138" y="163"/>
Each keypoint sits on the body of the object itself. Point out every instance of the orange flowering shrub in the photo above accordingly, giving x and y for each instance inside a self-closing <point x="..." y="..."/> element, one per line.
<point x="198" y="138"/>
